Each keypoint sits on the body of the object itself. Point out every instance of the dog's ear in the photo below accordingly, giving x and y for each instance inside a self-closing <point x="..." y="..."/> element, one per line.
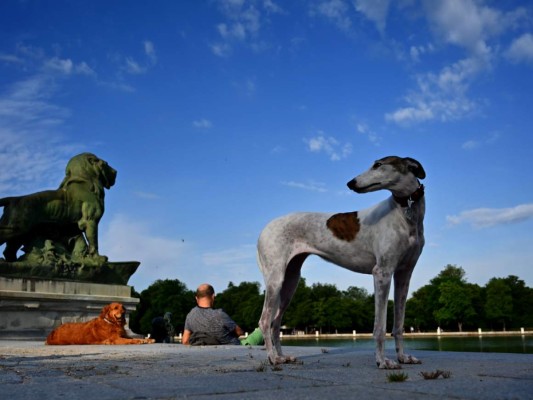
<point x="415" y="167"/>
<point x="105" y="311"/>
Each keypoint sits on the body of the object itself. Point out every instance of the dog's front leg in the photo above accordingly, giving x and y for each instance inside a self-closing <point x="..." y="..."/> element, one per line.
<point x="382" y="281"/>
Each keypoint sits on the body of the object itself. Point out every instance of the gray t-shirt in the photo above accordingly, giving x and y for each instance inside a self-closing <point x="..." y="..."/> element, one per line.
<point x="214" y="322"/>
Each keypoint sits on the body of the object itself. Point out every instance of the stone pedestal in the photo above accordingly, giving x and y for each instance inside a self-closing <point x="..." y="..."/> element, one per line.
<point x="30" y="308"/>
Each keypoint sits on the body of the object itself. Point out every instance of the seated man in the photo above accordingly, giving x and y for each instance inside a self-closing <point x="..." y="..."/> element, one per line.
<point x="205" y="325"/>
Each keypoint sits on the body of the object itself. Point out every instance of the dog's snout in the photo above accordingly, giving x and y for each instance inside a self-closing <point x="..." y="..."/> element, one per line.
<point x="352" y="184"/>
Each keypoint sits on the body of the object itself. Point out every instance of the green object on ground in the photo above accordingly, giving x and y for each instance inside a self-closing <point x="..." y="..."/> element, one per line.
<point x="253" y="339"/>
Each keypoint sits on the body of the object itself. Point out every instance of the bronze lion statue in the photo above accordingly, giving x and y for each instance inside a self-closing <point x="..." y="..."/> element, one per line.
<point x="67" y="217"/>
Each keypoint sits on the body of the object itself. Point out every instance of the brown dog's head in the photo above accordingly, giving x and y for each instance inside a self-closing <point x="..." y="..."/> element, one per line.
<point x="114" y="313"/>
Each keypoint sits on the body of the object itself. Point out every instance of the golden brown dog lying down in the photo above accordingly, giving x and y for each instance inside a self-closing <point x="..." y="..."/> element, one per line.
<point x="108" y="328"/>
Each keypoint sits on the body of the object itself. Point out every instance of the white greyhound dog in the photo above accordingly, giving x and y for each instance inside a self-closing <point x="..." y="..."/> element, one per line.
<point x="384" y="240"/>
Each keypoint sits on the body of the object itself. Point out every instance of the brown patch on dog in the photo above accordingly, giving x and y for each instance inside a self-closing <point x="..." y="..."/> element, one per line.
<point x="344" y="226"/>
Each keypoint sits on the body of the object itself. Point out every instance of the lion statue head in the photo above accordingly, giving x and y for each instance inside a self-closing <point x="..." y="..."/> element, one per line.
<point x="89" y="168"/>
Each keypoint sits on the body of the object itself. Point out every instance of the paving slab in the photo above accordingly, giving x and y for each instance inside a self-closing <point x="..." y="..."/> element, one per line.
<point x="174" y="371"/>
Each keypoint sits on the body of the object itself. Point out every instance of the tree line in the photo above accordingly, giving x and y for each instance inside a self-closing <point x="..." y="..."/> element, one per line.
<point x="448" y="302"/>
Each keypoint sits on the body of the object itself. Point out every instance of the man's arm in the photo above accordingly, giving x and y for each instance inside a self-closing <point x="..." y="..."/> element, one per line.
<point x="238" y="331"/>
<point x="186" y="336"/>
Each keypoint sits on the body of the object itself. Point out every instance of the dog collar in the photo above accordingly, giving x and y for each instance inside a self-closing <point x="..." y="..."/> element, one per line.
<point x="409" y="200"/>
<point x="108" y="321"/>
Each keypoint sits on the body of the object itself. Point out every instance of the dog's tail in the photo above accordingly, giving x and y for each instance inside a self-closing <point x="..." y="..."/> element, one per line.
<point x="53" y="338"/>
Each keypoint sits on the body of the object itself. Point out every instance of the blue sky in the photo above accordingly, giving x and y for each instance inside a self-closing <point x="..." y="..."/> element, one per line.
<point x="221" y="115"/>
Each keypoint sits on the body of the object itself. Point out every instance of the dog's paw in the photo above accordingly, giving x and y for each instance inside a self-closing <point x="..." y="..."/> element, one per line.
<point x="407" y="359"/>
<point x="388" y="364"/>
<point x="284" y="360"/>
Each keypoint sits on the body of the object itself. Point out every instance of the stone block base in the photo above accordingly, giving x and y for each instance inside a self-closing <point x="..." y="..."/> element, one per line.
<point x="31" y="308"/>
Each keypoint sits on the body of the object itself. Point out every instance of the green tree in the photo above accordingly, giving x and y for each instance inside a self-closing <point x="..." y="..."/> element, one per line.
<point x="299" y="314"/>
<point x="356" y="293"/>
<point x="326" y="299"/>
<point x="450" y="273"/>
<point x="499" y="301"/>
<point x="160" y="297"/>
<point x="419" y="309"/>
<point x="456" y="303"/>
<point x="243" y="303"/>
<point x="327" y="309"/>
<point x="361" y="305"/>
<point x="433" y="305"/>
<point x="522" y="302"/>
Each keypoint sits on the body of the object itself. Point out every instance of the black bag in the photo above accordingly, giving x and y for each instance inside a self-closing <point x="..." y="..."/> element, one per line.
<point x="202" y="339"/>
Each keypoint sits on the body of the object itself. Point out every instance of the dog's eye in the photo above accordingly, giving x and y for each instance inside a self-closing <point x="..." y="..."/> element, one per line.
<point x="377" y="165"/>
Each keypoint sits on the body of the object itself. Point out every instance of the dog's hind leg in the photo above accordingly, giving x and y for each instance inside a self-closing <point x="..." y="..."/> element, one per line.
<point x="265" y="322"/>
<point x="290" y="284"/>
<point x="271" y="303"/>
<point x="281" y="284"/>
<point x="401" y="288"/>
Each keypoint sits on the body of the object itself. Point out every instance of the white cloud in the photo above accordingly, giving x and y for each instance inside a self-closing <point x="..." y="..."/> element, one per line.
<point x="330" y="146"/>
<point x="466" y="23"/>
<point x="67" y="67"/>
<point x="470" y="144"/>
<point x="236" y="264"/>
<point x="420" y="113"/>
<point x="221" y="49"/>
<point x="444" y="95"/>
<point x="486" y="217"/>
<point x="474" y="144"/>
<point x="374" y="10"/>
<point x="29" y="164"/>
<point x="310" y="185"/>
<point x="84" y="69"/>
<point x="335" y="10"/>
<point x="372" y="136"/>
<point x="202" y="124"/>
<point x="242" y="26"/>
<point x="416" y="52"/>
<point x="238" y="256"/>
<point x="9" y="58"/>
<point x="149" y="50"/>
<point x="134" y="67"/>
<point x="521" y="50"/>
<point x="272" y="7"/>
<point x="33" y="154"/>
<point x="441" y="96"/>
<point x="147" y="195"/>
<point x="247" y="86"/>
<point x="128" y="239"/>
<point x="59" y="65"/>
<point x="236" y="31"/>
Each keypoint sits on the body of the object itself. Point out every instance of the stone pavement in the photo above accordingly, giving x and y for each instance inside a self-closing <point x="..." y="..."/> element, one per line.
<point x="32" y="370"/>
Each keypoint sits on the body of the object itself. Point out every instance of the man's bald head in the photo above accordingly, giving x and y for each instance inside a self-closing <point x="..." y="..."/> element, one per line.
<point x="205" y="290"/>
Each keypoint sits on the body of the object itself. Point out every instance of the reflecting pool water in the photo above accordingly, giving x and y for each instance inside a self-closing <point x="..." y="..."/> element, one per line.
<point x="485" y="344"/>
